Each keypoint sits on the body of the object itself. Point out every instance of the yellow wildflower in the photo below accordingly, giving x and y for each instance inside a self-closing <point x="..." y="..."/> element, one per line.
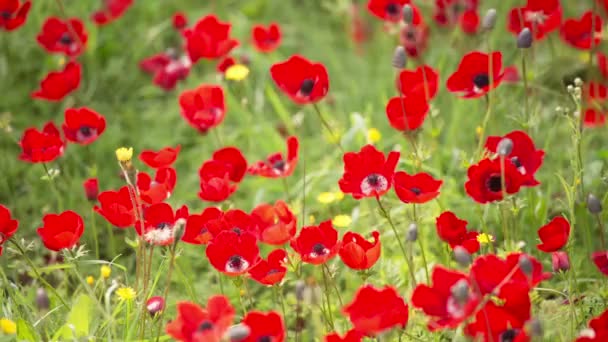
<point x="237" y="72"/>
<point x="8" y="326"/>
<point x="342" y="221"/>
<point x="124" y="154"/>
<point x="484" y="238"/>
<point x="373" y="135"/>
<point x="326" y="197"/>
<point x="311" y="219"/>
<point x="478" y="131"/>
<point x="105" y="271"/>
<point x="339" y="195"/>
<point x="90" y="280"/>
<point x="126" y="293"/>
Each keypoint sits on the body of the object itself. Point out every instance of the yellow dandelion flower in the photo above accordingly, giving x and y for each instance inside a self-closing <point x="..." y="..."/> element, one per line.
<point x="326" y="197"/>
<point x="126" y="293"/>
<point x="105" y="271"/>
<point x="342" y="221"/>
<point x="242" y="293"/>
<point x="237" y="72"/>
<point x="484" y="238"/>
<point x="90" y="280"/>
<point x="7" y="326"/>
<point x="478" y="131"/>
<point x="373" y="135"/>
<point x="312" y="219"/>
<point x="339" y="195"/>
<point x="124" y="154"/>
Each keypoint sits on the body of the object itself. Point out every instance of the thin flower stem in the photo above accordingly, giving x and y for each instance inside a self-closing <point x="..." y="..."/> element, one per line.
<point x="278" y="297"/>
<point x="502" y="207"/>
<point x="221" y="282"/>
<point x="127" y="314"/>
<point x="167" y="287"/>
<point x="421" y="245"/>
<point x="247" y="293"/>
<point x="484" y="126"/>
<point x="334" y="285"/>
<point x="600" y="227"/>
<point x="334" y="137"/>
<point x="524" y="77"/>
<point x="95" y="237"/>
<point x="86" y="286"/>
<point x="54" y="187"/>
<point x="328" y="302"/>
<point x="286" y="188"/>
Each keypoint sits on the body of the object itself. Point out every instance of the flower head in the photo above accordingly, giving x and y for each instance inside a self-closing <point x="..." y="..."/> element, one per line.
<point x="124" y="154"/>
<point x="194" y="323"/>
<point x="266" y="39"/>
<point x="373" y="311"/>
<point x="8" y="326"/>
<point x="474" y="78"/>
<point x="61" y="231"/>
<point x="368" y="173"/>
<point x="14" y="14"/>
<point x="237" y="72"/>
<point x="126" y="293"/>
<point x="317" y="244"/>
<point x="57" y="84"/>
<point x="300" y="79"/>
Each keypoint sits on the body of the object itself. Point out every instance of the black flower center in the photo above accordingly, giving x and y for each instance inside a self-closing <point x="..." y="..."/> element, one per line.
<point x="516" y="162"/>
<point x="163" y="225"/>
<point x="5" y="15"/>
<point x="410" y="35"/>
<point x="416" y="191"/>
<point x="392" y="9"/>
<point x="481" y="80"/>
<point x="508" y="335"/>
<point x="237" y="230"/>
<point x="264" y="338"/>
<point x="306" y="86"/>
<point x="494" y="183"/>
<point x="65" y="39"/>
<point x="373" y="179"/>
<point x="205" y="326"/>
<point x="86" y="131"/>
<point x="235" y="262"/>
<point x="319" y="249"/>
<point x="279" y="165"/>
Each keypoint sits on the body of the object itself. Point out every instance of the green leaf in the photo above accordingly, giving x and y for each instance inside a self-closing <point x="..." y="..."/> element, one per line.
<point x="77" y="324"/>
<point x="25" y="332"/>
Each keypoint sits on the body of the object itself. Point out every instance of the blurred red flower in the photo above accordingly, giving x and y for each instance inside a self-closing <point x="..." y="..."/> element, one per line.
<point x="540" y="16"/>
<point x="453" y="230"/>
<point x="415" y="107"/>
<point x="270" y="271"/>
<point x="300" y="79"/>
<point x="461" y="12"/>
<point x="600" y="259"/>
<point x="276" y="223"/>
<point x="224" y="64"/>
<point x="233" y="253"/>
<point x="389" y="10"/>
<point x="554" y="235"/>
<point x="266" y="39"/>
<point x="373" y="311"/>
<point x="91" y="189"/>
<point x="485" y="180"/>
<point x="594" y="118"/>
<point x="194" y="324"/>
<point x="209" y="39"/>
<point x="317" y="244"/>
<point x="219" y="177"/>
<point x="67" y="37"/>
<point x="582" y="33"/>
<point x="167" y="67"/>
<point x="418" y="188"/>
<point x="61" y="231"/>
<point x="368" y="173"/>
<point x="276" y="165"/>
<point x="489" y="271"/>
<point x="350" y="336"/>
<point x="157" y="190"/>
<point x="560" y="261"/>
<point x="83" y="125"/>
<point x="602" y="63"/>
<point x="358" y="253"/>
<point x="110" y="11"/>
<point x="57" y="84"/>
<point x="14" y="13"/>
<point x="599" y="327"/>
<point x="8" y="225"/>
<point x="204" y="107"/>
<point x="165" y="157"/>
<point x="264" y="327"/>
<point x="424" y="81"/>
<point x="160" y="223"/>
<point x="41" y="146"/>
<point x="180" y="21"/>
<point x="197" y="230"/>
<point x="117" y="207"/>
<point x="472" y="79"/>
<point x="414" y="36"/>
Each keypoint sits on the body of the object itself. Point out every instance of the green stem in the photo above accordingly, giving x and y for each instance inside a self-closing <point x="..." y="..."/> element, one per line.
<point x="421" y="245"/>
<point x="334" y="137"/>
<point x="484" y="126"/>
<point x="525" y="79"/>
<point x="278" y="295"/>
<point x="86" y="286"/>
<point x="167" y="287"/>
<point x="334" y="285"/>
<point x="95" y="238"/>
<point x="328" y="302"/>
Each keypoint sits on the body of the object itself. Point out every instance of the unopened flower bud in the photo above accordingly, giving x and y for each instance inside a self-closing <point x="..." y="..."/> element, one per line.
<point x="155" y="305"/>
<point x="505" y="146"/>
<point x="535" y="328"/>
<point x="300" y="287"/>
<point x="489" y="20"/>
<point x="42" y="300"/>
<point x="412" y="233"/>
<point x="525" y="265"/>
<point x="578" y="82"/>
<point x="399" y="57"/>
<point x="408" y="14"/>
<point x="238" y="332"/>
<point x="524" y="39"/>
<point x="560" y="261"/>
<point x="462" y="256"/>
<point x="593" y="204"/>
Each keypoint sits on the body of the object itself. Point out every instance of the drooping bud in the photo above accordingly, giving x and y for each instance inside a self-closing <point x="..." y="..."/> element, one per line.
<point x="155" y="305"/>
<point x="525" y="265"/>
<point x="42" y="300"/>
<point x="462" y="256"/>
<point x="412" y="233"/>
<point x="399" y="57"/>
<point x="560" y="261"/>
<point x="489" y="20"/>
<point x="408" y="14"/>
<point x="504" y="147"/>
<point x="238" y="332"/>
<point x="593" y="204"/>
<point x="524" y="39"/>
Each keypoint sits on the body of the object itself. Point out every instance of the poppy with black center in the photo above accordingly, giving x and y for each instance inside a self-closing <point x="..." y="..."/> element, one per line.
<point x="83" y="125"/>
<point x="194" y="323"/>
<point x="300" y="79"/>
<point x="473" y="78"/>
<point x="63" y="36"/>
<point x="389" y="10"/>
<point x="232" y="253"/>
<point x="317" y="244"/>
<point x="270" y="271"/>
<point x="14" y="14"/>
<point x="484" y="182"/>
<point x="418" y="188"/>
<point x="458" y="12"/>
<point x="278" y="165"/>
<point x="368" y="173"/>
<point x="160" y="221"/>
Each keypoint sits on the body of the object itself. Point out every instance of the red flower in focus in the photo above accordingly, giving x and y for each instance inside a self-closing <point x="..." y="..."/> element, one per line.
<point x="368" y="173"/>
<point x="83" y="125"/>
<point x="373" y="310"/>
<point x="197" y="226"/>
<point x="160" y="223"/>
<point x="277" y="165"/>
<point x="583" y="33"/>
<point x="165" y="157"/>
<point x="180" y="21"/>
<point x="600" y="259"/>
<point x="220" y="176"/>
<point x="57" y="84"/>
<point x="8" y="225"/>
<point x="270" y="271"/>
<point x="300" y="79"/>
<point x="489" y="271"/>
<point x="194" y="323"/>
<point x="462" y="12"/>
<point x="91" y="188"/>
<point x="453" y="230"/>
<point x="389" y="10"/>
<point x="204" y="107"/>
<point x="209" y="39"/>
<point x="594" y="118"/>
<point x="418" y="188"/>
<point x="276" y="224"/>
<point x="159" y="189"/>
<point x="61" y="231"/>
<point x="167" y="67"/>
<point x="599" y="327"/>
<point x="472" y="79"/>
<point x="224" y="64"/>
<point x="424" y="81"/>
<point x="524" y="155"/>
<point x="485" y="180"/>
<point x="233" y="253"/>
<point x="117" y="207"/>
<point x="110" y="11"/>
<point x="540" y="16"/>
<point x="266" y="39"/>
<point x="416" y="109"/>
<point x="358" y="253"/>
<point x="554" y="235"/>
<point x="14" y="13"/>
<point x="264" y="327"/>
<point x="67" y="37"/>
<point x="317" y="244"/>
<point x="350" y="336"/>
<point x="41" y="146"/>
<point x="449" y="302"/>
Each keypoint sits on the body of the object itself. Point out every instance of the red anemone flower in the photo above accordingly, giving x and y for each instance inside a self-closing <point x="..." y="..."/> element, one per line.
<point x="414" y="36"/>
<point x="461" y="12"/>
<point x="167" y="67"/>
<point x="209" y="39"/>
<point x="373" y="311"/>
<point x="276" y="224"/>
<point x="474" y="77"/>
<point x="14" y="13"/>
<point x="300" y="79"/>
<point x="449" y="302"/>
<point x="368" y="173"/>
<point x="524" y="155"/>
<point x="180" y="21"/>
<point x="350" y="336"/>
<point x="159" y="189"/>
<point x="583" y="33"/>
<point x="224" y="64"/>
<point x="264" y="327"/>
<point x="271" y="271"/>
<point x="197" y="229"/>
<point x="194" y="324"/>
<point x="160" y="223"/>
<point x="91" y="189"/>
<point x="8" y="225"/>
<point x="61" y="231"/>
<point x="485" y="180"/>
<point x="389" y="10"/>
<point x="117" y="207"/>
<point x="416" y="108"/>
<point x="110" y="11"/>
<point x="424" y="81"/>
<point x="41" y="146"/>
<point x="67" y="37"/>
<point x="219" y="177"/>
<point x="165" y="157"/>
<point x="317" y="244"/>
<point x="554" y="235"/>
<point x="204" y="107"/>
<point x="540" y="16"/>
<point x="594" y="118"/>
<point x="453" y="230"/>
<point x="358" y="253"/>
<point x="600" y="259"/>
<point x="598" y="327"/>
<point x="83" y="125"/>
<point x="418" y="188"/>
<point x="233" y="253"/>
<point x="266" y="39"/>
<point x="602" y="63"/>
<point x="57" y="84"/>
<point x="489" y="271"/>
<point x="277" y="165"/>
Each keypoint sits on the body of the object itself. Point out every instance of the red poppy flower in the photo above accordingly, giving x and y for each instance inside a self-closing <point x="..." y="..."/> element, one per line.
<point x="204" y="107"/>
<point x="489" y="271"/>
<point x="373" y="310"/>
<point x="264" y="327"/>
<point x="418" y="188"/>
<point x="461" y="12"/>
<point x="91" y="188"/>
<point x="159" y="189"/>
<point x="41" y="146"/>
<point x="511" y="75"/>
<point x="416" y="109"/>
<point x="266" y="39"/>
<point x="317" y="244"/>
<point x="524" y="155"/>
<point x="57" y="84"/>
<point x="560" y="261"/>
<point x="600" y="259"/>
<point x="358" y="253"/>
<point x="554" y="235"/>
<point x="180" y="21"/>
<point x="276" y="165"/>
<point x="110" y="11"/>
<point x="358" y="28"/>
<point x="449" y="302"/>
<point x="389" y="10"/>
<point x="424" y="81"/>
<point x="582" y="33"/>
<point x="472" y="79"/>
<point x="117" y="207"/>
<point x="165" y="157"/>
<point x="602" y="63"/>
<point x="14" y="13"/>
<point x="209" y="39"/>
<point x="83" y="125"/>
<point x="220" y="175"/>
<point x="414" y="36"/>
<point x="350" y="336"/>
<point x="270" y="271"/>
<point x="194" y="323"/>
<point x="167" y="67"/>
<point x="540" y="16"/>
<point x="368" y="173"/>
<point x="197" y="231"/>
<point x="233" y="253"/>
<point x="594" y="118"/>
<point x="485" y="180"/>
<point x="300" y="79"/>
<point x="61" y="231"/>
<point x="599" y="328"/>
<point x="276" y="224"/>
<point x="453" y="230"/>
<point x="8" y="225"/>
<point x="67" y="37"/>
<point x="224" y="64"/>
<point x="160" y="223"/>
